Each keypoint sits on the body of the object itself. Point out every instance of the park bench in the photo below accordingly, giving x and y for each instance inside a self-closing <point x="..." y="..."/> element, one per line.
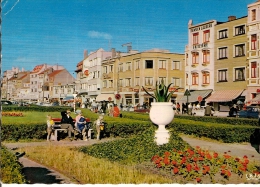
<point x="57" y="128"/>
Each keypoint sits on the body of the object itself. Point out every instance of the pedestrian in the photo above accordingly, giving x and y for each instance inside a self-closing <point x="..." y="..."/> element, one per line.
<point x="99" y="126"/>
<point x="104" y="107"/>
<point x="111" y="110"/>
<point x="50" y="124"/>
<point x="67" y="122"/>
<point x="121" y="106"/>
<point x="208" y="110"/>
<point x="178" y="107"/>
<point x="190" y="109"/>
<point x="116" y="111"/>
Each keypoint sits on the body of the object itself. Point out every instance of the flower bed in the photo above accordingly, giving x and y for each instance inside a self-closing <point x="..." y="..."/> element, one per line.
<point x="196" y="164"/>
<point x="13" y="114"/>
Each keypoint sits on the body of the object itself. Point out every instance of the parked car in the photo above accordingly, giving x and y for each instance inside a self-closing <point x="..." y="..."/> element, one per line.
<point x="5" y="102"/>
<point x="249" y="112"/>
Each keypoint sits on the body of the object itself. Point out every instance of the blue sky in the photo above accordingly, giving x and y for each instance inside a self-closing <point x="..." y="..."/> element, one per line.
<point x="58" y="31"/>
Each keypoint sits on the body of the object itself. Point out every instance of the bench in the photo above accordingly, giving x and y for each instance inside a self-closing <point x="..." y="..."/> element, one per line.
<point x="57" y="128"/>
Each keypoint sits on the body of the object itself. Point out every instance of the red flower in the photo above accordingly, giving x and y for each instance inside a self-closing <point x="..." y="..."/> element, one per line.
<point x="245" y="157"/>
<point x="198" y="180"/>
<point x="228" y="173"/>
<point x="209" y="156"/>
<point x="242" y="168"/>
<point x="195" y="159"/>
<point x="227" y="156"/>
<point x="189" y="167"/>
<point x="159" y="165"/>
<point x="229" y="151"/>
<point x="256" y="172"/>
<point x="175" y="170"/>
<point x="174" y="163"/>
<point x="167" y="153"/>
<point x="183" y="160"/>
<point x="206" y="169"/>
<point x="246" y="161"/>
<point x="196" y="168"/>
<point x="223" y="166"/>
<point x="166" y="161"/>
<point x="200" y="158"/>
<point x="223" y="172"/>
<point x="237" y="159"/>
<point x="197" y="147"/>
<point x="215" y="155"/>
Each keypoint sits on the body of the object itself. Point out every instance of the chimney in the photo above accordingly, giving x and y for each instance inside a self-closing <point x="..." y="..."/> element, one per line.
<point x="231" y="18"/>
<point x="113" y="50"/>
<point x="85" y="54"/>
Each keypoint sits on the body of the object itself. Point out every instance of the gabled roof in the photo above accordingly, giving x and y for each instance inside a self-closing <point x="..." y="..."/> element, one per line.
<point x="37" y="68"/>
<point x="55" y="73"/>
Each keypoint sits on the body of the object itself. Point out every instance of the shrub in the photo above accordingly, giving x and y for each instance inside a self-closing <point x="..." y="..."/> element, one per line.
<point x="11" y="169"/>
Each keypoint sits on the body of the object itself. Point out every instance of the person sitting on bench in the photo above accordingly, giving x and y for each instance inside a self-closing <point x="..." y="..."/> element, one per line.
<point x="66" y="122"/>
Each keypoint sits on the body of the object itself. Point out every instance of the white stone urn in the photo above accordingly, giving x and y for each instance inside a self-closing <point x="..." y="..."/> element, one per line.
<point x="161" y="114"/>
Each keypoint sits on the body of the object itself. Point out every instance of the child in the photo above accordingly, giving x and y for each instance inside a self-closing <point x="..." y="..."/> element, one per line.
<point x="99" y="125"/>
<point x="50" y="123"/>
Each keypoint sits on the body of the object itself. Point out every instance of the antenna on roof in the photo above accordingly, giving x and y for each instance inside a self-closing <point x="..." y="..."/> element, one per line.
<point x="129" y="46"/>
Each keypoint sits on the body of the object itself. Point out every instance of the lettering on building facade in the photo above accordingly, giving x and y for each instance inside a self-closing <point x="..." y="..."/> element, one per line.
<point x="199" y="28"/>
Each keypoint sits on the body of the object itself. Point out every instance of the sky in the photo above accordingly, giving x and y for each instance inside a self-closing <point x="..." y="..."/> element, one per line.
<point x="58" y="31"/>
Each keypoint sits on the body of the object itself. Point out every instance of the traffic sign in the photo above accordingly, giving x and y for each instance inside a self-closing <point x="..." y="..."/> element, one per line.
<point x="187" y="93"/>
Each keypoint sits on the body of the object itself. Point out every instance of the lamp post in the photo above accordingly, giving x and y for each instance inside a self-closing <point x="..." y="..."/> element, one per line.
<point x="74" y="104"/>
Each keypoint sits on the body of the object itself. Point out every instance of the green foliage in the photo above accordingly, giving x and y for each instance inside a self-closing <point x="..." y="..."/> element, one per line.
<point x="10" y="108"/>
<point x="136" y="149"/>
<point x="222" y="120"/>
<point x="222" y="132"/>
<point x="11" y="169"/>
<point x="161" y="92"/>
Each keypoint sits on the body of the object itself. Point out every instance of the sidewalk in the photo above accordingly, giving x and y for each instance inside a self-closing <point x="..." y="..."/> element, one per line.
<point x="233" y="149"/>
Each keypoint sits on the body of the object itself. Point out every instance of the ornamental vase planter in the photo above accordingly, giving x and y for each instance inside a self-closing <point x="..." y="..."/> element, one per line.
<point x="161" y="114"/>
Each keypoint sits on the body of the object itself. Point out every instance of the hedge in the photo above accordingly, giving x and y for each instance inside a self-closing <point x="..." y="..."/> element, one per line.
<point x="11" y="169"/>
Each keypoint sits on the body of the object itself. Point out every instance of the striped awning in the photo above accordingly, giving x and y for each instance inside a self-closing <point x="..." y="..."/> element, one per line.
<point x="194" y="95"/>
<point x="104" y="97"/>
<point x="224" y="95"/>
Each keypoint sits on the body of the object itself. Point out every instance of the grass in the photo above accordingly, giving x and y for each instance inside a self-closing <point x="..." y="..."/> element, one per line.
<point x="85" y="169"/>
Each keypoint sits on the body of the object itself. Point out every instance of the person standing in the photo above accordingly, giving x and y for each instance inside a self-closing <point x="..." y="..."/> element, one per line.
<point x="116" y="111"/>
<point x="67" y="122"/>
<point x="208" y="110"/>
<point x="50" y="123"/>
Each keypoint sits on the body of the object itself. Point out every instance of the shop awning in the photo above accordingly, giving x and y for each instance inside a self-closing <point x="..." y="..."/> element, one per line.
<point x="102" y="97"/>
<point x="224" y="95"/>
<point x="68" y="98"/>
<point x="194" y="95"/>
<point x="255" y="100"/>
<point x="82" y="93"/>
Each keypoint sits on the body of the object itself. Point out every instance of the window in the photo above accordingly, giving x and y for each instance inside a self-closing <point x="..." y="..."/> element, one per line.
<point x="222" y="75"/>
<point x="195" y="78"/>
<point x="187" y="79"/>
<point x="239" y="74"/>
<point x="240" y="30"/>
<point x="206" y="36"/>
<point x="105" y="69"/>
<point x="137" y="64"/>
<point x="162" y="80"/>
<point x="110" y="83"/>
<point x="223" y="34"/>
<point x="105" y="84"/>
<point x="206" y="55"/>
<point x="111" y="68"/>
<point x="149" y="64"/>
<point x="240" y="50"/>
<point x="121" y="82"/>
<point x="128" y="82"/>
<point x="162" y="64"/>
<point x="205" y="77"/>
<point x="176" y="64"/>
<point x="129" y="66"/>
<point x="254" y="70"/>
<point x="148" y="81"/>
<point x="195" y="58"/>
<point x="121" y="67"/>
<point x="195" y="38"/>
<point x="137" y="81"/>
<point x="253" y="41"/>
<point x="222" y="52"/>
<point x="176" y="81"/>
<point x="253" y="15"/>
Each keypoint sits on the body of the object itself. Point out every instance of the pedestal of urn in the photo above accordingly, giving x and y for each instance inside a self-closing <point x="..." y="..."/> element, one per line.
<point x="161" y="114"/>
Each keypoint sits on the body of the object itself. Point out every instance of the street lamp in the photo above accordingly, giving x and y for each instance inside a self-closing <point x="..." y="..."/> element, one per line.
<point x="74" y="104"/>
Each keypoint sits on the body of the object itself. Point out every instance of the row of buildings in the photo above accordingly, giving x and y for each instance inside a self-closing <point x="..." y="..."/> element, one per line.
<point x="220" y="65"/>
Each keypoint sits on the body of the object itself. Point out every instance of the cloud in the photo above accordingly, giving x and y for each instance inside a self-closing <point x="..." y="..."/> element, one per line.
<point x="24" y="59"/>
<point x="96" y="34"/>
